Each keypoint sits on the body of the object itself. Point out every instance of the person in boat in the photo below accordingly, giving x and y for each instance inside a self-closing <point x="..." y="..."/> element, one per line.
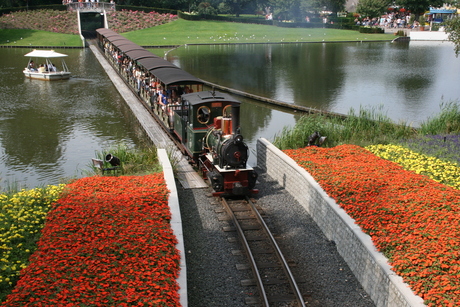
<point x="41" y="69"/>
<point x="31" y="66"/>
<point x="51" y="67"/>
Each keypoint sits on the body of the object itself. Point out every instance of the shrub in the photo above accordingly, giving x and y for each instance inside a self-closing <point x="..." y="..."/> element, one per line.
<point x="371" y="30"/>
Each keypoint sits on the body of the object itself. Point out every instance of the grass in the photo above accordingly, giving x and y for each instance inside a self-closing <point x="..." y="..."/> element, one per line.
<point x="365" y="127"/>
<point x="438" y="135"/>
<point x="182" y="32"/>
<point x="26" y="38"/>
<point x="139" y="161"/>
<point x="447" y="121"/>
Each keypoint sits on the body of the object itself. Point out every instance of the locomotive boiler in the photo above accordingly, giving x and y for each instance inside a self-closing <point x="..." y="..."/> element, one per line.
<point x="223" y="154"/>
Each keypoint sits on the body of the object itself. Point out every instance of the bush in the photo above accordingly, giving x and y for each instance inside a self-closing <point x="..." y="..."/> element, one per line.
<point x="371" y="30"/>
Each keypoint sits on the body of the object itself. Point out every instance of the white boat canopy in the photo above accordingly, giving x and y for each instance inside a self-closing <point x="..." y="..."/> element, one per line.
<point x="45" y="54"/>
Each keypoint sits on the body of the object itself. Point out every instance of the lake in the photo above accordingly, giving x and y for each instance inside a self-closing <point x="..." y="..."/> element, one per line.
<point x="49" y="131"/>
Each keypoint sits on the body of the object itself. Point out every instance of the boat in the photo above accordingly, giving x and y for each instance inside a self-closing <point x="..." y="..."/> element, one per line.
<point x="46" y="70"/>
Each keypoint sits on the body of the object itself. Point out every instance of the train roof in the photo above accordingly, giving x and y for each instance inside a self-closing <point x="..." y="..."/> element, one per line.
<point x="127" y="48"/>
<point x="175" y="75"/>
<point x="154" y="63"/>
<point x="209" y="96"/>
<point x="123" y="44"/>
<point x="137" y="54"/>
<point x="105" y="31"/>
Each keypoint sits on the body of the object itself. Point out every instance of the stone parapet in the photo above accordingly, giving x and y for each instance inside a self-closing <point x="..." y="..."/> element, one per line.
<point x="370" y="267"/>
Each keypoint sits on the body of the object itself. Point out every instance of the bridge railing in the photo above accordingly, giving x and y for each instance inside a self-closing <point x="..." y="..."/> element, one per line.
<point x="90" y="6"/>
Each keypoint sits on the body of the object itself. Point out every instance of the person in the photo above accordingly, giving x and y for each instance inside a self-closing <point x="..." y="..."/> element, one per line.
<point x="51" y="67"/>
<point x="41" y="69"/>
<point x="162" y="98"/>
<point x="31" y="66"/>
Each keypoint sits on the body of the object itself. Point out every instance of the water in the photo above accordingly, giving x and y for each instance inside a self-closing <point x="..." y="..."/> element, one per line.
<point x="408" y="82"/>
<point x="49" y="131"/>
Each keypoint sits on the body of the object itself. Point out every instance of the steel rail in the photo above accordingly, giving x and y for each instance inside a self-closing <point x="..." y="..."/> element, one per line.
<point x="279" y="254"/>
<point x="246" y="247"/>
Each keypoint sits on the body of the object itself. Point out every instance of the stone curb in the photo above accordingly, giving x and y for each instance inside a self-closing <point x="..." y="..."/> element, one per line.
<point x="176" y="222"/>
<point x="370" y="267"/>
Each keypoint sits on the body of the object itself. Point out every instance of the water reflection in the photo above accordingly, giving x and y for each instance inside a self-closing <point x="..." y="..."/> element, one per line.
<point x="408" y="80"/>
<point x="51" y="130"/>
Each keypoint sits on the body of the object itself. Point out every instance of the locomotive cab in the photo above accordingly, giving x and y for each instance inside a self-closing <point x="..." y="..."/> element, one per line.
<point x="196" y="115"/>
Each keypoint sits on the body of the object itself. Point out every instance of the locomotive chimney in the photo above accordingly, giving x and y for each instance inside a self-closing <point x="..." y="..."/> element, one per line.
<point x="235" y="118"/>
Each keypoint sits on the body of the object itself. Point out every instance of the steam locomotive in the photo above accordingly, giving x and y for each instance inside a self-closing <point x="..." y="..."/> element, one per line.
<point x="204" y="123"/>
<point x="208" y="126"/>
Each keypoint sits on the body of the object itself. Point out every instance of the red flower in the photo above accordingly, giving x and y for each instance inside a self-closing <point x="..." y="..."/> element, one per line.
<point x="413" y="220"/>
<point x="107" y="241"/>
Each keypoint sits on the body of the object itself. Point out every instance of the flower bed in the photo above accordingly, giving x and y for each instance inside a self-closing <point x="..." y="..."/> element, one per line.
<point x="412" y="219"/>
<point x="66" y="21"/>
<point x="127" y="20"/>
<point x="444" y="172"/>
<point x="46" y="20"/>
<point x="108" y="242"/>
<point x="21" y="219"/>
<point x="442" y="146"/>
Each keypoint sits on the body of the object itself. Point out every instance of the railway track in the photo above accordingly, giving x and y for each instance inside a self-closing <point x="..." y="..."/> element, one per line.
<point x="275" y="283"/>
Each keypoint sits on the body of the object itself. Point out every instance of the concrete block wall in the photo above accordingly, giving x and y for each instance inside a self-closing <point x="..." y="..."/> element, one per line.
<point x="369" y="266"/>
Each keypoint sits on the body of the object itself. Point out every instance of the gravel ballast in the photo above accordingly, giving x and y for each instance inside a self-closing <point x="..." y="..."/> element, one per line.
<point x="211" y="255"/>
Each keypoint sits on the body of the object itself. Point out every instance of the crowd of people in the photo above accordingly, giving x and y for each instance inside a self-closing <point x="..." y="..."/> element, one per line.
<point x="88" y="4"/>
<point x="148" y="87"/>
<point x="42" y="68"/>
<point x="390" y="20"/>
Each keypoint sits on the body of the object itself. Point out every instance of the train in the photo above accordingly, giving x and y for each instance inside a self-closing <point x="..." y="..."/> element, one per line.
<point x="205" y="124"/>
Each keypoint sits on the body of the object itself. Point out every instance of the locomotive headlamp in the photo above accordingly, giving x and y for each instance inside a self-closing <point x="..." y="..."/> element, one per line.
<point x="238" y="138"/>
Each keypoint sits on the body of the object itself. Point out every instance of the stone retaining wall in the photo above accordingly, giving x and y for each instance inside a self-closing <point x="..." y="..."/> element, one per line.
<point x="370" y="267"/>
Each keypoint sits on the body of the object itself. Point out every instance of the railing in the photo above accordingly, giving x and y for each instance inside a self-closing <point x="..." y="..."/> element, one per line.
<point x="90" y="6"/>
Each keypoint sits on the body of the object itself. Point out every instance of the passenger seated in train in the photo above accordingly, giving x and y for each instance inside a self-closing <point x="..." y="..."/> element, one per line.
<point x="163" y="98"/>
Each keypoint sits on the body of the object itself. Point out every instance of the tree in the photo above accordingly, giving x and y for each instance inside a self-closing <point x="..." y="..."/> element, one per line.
<point x="328" y="5"/>
<point x="453" y="29"/>
<point x="237" y="6"/>
<point x="206" y="8"/>
<point x="372" y="8"/>
<point x="419" y="7"/>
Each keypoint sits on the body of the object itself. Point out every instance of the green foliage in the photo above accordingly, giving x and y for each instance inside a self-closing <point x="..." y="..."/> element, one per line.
<point x="447" y="121"/>
<point x="224" y="8"/>
<point x="367" y="29"/>
<point x="205" y="8"/>
<point x="453" y="28"/>
<point x="133" y="161"/>
<point x="418" y="7"/>
<point x="372" y="8"/>
<point x="422" y="20"/>
<point x="367" y="126"/>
